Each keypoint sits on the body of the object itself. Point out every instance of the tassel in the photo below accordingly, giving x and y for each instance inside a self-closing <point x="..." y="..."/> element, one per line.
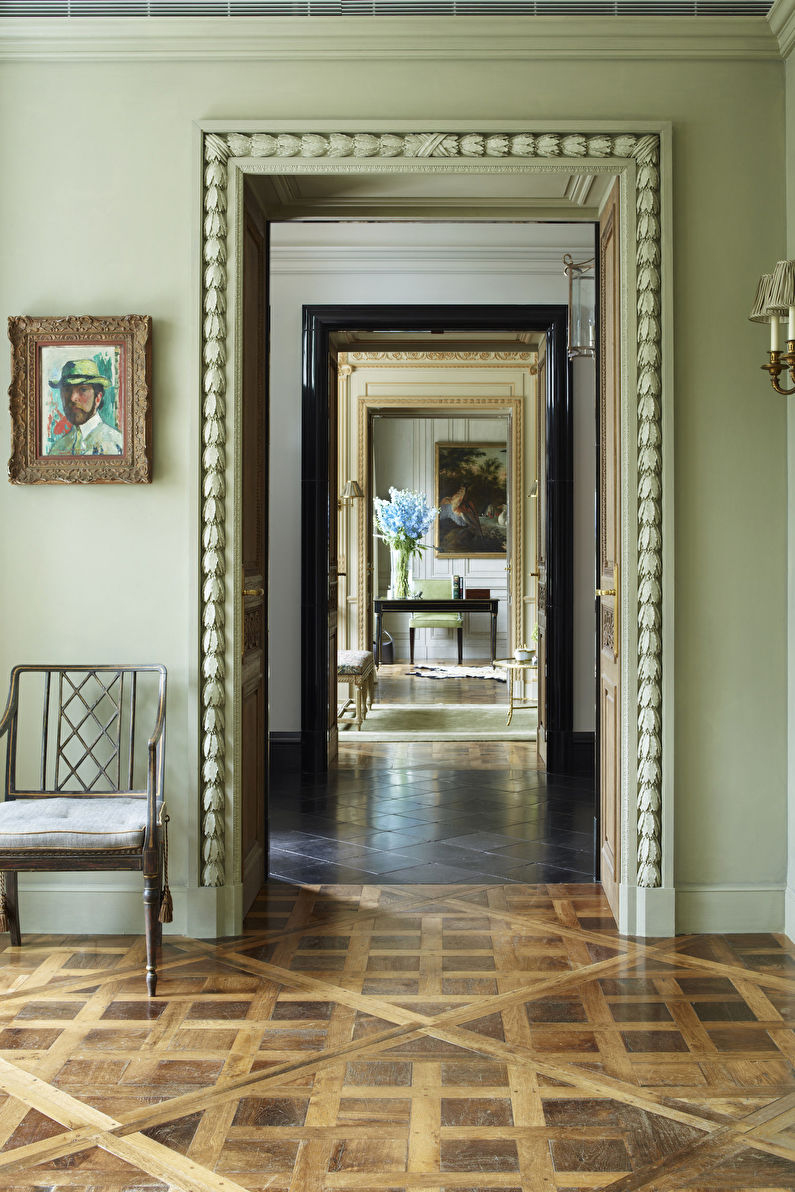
<point x="166" y="914"/>
<point x="3" y="905"/>
<point x="166" y="907"/>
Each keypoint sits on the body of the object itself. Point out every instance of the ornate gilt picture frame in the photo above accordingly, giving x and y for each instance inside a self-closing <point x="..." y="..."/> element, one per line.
<point x="81" y="410"/>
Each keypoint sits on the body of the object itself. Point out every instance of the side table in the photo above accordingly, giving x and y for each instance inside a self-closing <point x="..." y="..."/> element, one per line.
<point x="518" y="672"/>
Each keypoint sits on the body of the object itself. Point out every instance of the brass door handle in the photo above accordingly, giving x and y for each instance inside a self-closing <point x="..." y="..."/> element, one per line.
<point x="243" y="594"/>
<point x="613" y="592"/>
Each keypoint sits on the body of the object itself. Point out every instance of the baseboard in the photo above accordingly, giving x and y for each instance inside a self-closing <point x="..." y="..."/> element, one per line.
<point x="314" y="751"/>
<point x="648" y="913"/>
<point x="570" y="754"/>
<point x="789" y="912"/>
<point x="98" y="906"/>
<point x="718" y="908"/>
<point x="285" y="751"/>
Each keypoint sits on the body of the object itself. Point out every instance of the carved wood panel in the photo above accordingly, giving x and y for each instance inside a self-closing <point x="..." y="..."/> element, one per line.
<point x="333" y="564"/>
<point x="254" y="548"/>
<point x="609" y="549"/>
<point x="541" y="549"/>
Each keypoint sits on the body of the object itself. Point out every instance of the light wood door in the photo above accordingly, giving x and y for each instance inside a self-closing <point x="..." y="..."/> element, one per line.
<point x="609" y="551"/>
<point x="332" y="731"/>
<point x="541" y="551"/>
<point x="254" y="577"/>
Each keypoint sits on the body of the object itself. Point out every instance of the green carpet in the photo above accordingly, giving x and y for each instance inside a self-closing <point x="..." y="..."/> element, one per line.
<point x="442" y="722"/>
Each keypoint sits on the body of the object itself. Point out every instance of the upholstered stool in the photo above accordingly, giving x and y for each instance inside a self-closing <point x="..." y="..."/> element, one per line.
<point x="357" y="669"/>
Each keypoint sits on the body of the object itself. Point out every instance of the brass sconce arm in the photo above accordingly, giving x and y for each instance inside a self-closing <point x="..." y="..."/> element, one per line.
<point x="779" y="363"/>
<point x="350" y="493"/>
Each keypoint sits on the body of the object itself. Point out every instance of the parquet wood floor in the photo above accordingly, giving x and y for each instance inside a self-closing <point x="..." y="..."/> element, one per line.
<point x="401" y="1039"/>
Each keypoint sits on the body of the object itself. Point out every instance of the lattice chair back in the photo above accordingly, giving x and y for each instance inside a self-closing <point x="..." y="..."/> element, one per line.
<point x="83" y="782"/>
<point x="82" y="730"/>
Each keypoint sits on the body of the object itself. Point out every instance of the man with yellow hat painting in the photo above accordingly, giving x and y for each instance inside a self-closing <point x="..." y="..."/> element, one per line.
<point x="82" y="389"/>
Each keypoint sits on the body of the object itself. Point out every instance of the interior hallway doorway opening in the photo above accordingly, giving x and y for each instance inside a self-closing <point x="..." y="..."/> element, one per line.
<point x="413" y="812"/>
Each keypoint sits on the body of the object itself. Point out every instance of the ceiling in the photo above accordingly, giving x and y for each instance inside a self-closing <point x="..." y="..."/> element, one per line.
<point x="551" y="193"/>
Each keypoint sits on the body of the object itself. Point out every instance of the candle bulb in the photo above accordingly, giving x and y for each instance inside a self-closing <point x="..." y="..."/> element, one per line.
<point x="774" y="340"/>
<point x="791" y="324"/>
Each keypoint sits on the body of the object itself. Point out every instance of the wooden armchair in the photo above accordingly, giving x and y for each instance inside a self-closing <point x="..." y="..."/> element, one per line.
<point x="93" y="798"/>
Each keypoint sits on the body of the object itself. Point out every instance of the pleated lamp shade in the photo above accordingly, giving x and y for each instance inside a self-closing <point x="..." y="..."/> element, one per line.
<point x="781" y="295"/>
<point x="759" y="312"/>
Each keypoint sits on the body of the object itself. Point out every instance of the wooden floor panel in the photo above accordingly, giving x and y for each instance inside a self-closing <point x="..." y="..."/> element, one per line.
<point x="402" y="1038"/>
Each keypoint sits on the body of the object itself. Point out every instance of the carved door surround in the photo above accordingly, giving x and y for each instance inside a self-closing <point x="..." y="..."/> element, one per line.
<point x="640" y="157"/>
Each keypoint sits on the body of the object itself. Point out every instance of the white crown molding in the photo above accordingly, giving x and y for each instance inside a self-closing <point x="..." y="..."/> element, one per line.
<point x="417" y="259"/>
<point x="261" y="39"/>
<point x="781" y="19"/>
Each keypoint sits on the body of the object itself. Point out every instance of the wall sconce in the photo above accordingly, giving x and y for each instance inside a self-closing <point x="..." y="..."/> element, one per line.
<point x="351" y="491"/>
<point x="775" y="297"/>
<point x="582" y="306"/>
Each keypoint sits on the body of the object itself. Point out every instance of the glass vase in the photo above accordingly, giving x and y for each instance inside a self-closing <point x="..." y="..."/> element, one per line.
<point x="401" y="572"/>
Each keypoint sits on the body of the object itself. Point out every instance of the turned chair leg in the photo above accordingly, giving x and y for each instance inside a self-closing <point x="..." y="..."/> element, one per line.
<point x="152" y="928"/>
<point x="12" y="908"/>
<point x="411" y="646"/>
<point x="460" y="632"/>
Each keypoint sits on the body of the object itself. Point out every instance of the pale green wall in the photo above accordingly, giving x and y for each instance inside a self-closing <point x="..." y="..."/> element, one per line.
<point x="98" y="215"/>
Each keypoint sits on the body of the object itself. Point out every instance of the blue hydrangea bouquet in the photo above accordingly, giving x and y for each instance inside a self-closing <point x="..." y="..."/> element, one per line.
<point x="401" y="521"/>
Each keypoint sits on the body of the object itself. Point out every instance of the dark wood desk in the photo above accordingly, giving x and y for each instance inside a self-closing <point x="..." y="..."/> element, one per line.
<point x="383" y="605"/>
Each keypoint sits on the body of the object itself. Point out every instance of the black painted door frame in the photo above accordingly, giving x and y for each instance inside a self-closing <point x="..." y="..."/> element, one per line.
<point x="319" y="324"/>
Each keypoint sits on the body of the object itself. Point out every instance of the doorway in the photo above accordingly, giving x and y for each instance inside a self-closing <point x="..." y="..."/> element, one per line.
<point x="414" y="815"/>
<point x="635" y="159"/>
<point x="321" y="326"/>
<point x="437" y="679"/>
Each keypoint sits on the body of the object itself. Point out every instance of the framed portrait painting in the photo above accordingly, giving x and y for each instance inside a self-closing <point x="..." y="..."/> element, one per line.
<point x="81" y="410"/>
<point x="472" y="496"/>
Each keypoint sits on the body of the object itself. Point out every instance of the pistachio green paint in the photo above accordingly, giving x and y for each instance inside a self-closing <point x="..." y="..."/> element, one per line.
<point x="104" y="572"/>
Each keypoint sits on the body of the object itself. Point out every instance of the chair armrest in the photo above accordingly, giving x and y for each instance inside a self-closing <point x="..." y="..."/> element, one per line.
<point x="156" y="766"/>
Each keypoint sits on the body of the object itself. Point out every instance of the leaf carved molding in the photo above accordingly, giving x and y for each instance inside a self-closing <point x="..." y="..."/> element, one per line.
<point x="644" y="149"/>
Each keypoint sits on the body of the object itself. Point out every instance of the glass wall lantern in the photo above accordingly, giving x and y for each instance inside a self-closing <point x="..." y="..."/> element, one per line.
<point x="582" y="306"/>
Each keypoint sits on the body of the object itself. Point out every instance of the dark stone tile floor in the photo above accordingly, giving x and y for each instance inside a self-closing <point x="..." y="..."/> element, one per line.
<point x="422" y="825"/>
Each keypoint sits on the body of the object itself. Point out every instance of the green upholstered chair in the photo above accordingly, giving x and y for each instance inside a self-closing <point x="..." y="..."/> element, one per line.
<point x="437" y="589"/>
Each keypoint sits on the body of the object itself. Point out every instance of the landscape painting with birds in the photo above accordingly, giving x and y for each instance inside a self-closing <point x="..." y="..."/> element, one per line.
<point x="471" y="494"/>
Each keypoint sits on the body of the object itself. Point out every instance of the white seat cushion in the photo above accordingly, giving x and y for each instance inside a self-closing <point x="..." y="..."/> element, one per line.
<point x="353" y="662"/>
<point x="72" y="823"/>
